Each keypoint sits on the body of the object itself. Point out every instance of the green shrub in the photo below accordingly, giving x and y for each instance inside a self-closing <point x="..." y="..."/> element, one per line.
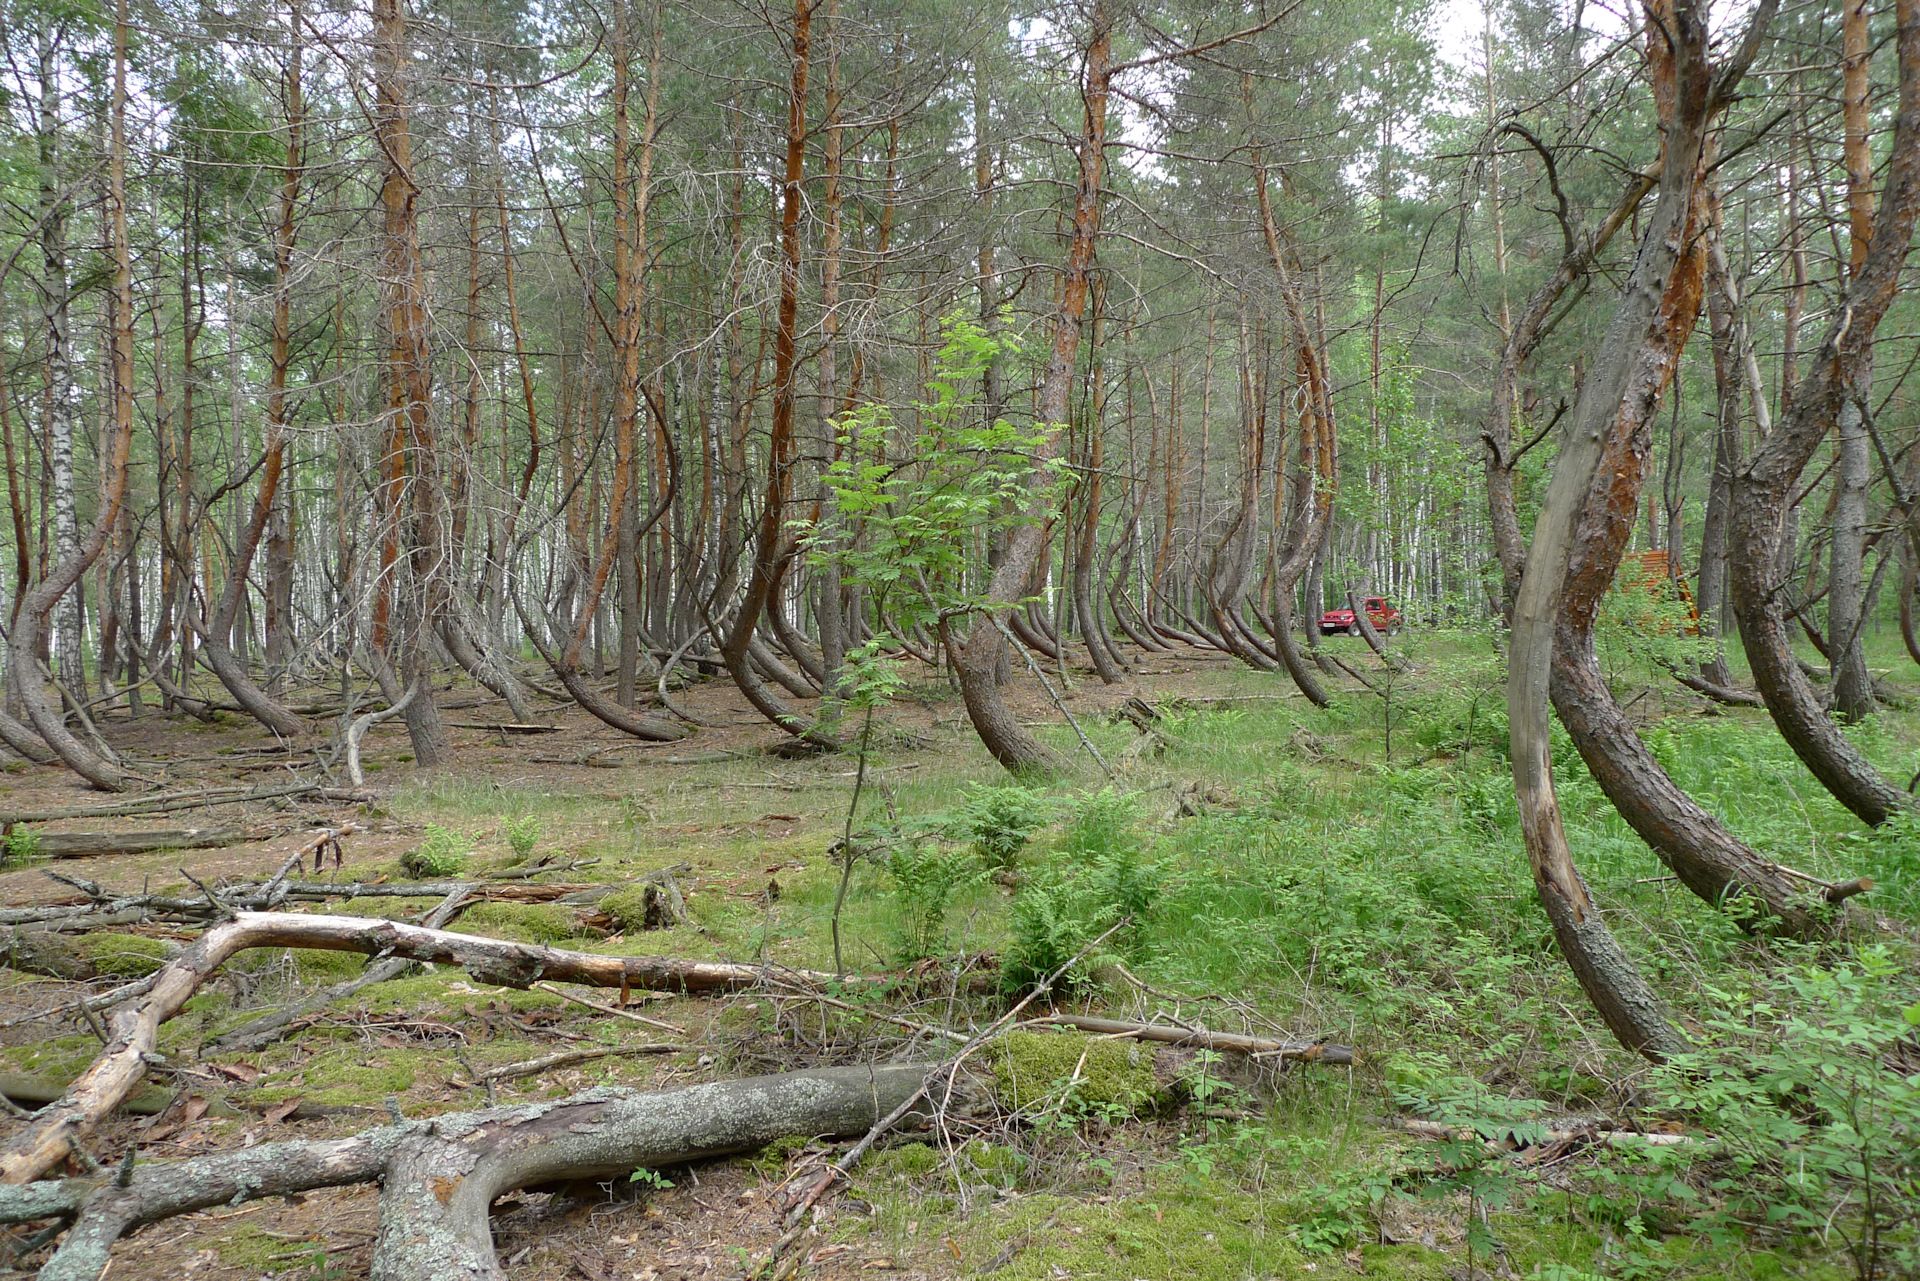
<point x="926" y="879"/>
<point x="21" y="846"/>
<point x="1812" y="1096"/>
<point x="1097" y="880"/>
<point x="1001" y="821"/>
<point x="443" y="853"/>
<point x="522" y="833"/>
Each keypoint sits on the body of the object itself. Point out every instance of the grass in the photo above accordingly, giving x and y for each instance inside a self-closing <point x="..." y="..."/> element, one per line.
<point x="1330" y="885"/>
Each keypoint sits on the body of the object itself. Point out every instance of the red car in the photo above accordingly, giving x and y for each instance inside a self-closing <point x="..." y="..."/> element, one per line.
<point x="1383" y="616"/>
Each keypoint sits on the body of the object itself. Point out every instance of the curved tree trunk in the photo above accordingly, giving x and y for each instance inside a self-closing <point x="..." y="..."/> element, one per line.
<point x="1763" y="486"/>
<point x="1317" y="466"/>
<point x="771" y="548"/>
<point x="1532" y="327"/>
<point x="468" y="651"/>
<point x="1909" y="584"/>
<point x="414" y="497"/>
<point x="607" y="712"/>
<point x="1633" y="365"/>
<point x="1086" y="539"/>
<point x="977" y="660"/>
<point x="216" y="637"/>
<point x="1703" y="854"/>
<point x="31" y="615"/>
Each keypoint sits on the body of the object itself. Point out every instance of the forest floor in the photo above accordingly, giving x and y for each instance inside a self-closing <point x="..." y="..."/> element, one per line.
<point x="1353" y="875"/>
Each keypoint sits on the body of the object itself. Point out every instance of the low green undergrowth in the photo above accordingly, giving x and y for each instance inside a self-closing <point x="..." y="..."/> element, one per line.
<point x="1382" y="896"/>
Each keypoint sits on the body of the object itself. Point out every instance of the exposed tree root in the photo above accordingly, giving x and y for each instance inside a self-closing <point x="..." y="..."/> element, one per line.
<point x="439" y="1176"/>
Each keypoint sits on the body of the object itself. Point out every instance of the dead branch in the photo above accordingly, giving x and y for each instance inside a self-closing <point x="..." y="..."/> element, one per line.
<point x="1263" y="1047"/>
<point x="358" y="730"/>
<point x="565" y="1058"/>
<point x="266" y="1029"/>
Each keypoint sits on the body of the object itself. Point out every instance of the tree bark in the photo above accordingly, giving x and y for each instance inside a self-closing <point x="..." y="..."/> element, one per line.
<point x="976" y="661"/>
<point x="1762" y="488"/>
<point x="1632" y="366"/>
<point x="771" y="542"/>
<point x="1853" y="459"/>
<point x="409" y="374"/>
<point x="63" y="395"/>
<point x="1710" y="584"/>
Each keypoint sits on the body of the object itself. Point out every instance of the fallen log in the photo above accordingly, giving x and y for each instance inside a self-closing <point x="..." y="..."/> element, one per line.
<point x="49" y="952"/>
<point x="133" y="1030"/>
<point x="106" y="910"/>
<point x="1718" y="693"/>
<point x="260" y="1032"/>
<point x="95" y="844"/>
<point x="196" y="799"/>
<point x="250" y="896"/>
<point x="40" y="1091"/>
<point x="438" y="1177"/>
<point x="1167" y="1034"/>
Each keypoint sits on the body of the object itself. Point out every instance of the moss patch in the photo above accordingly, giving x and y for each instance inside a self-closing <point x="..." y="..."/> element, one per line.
<point x="628" y="908"/>
<point x="1032" y="1067"/>
<point x="327" y="966"/>
<point x="772" y="1159"/>
<point x="251" y="1248"/>
<point x="350" y="1074"/>
<point x="63" y="1057"/>
<point x="524" y="922"/>
<point x="124" y="955"/>
<point x="908" y="1161"/>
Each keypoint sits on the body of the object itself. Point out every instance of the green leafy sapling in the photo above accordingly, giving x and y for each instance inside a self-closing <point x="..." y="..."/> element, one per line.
<point x="911" y="511"/>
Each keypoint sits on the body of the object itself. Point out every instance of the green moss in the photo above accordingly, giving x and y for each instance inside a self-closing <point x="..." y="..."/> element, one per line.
<point x="908" y="1161"/>
<point x="772" y="1159"/>
<point x="124" y="955"/>
<point x="63" y="1057"/>
<point x="354" y="1074"/>
<point x="1031" y="1067"/>
<point x="327" y="966"/>
<point x="628" y="908"/>
<point x="525" y="922"/>
<point x="254" y="1249"/>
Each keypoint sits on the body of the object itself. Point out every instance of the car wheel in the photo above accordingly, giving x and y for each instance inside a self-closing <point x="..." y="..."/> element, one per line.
<point x="1353" y="629"/>
<point x="1394" y="629"/>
